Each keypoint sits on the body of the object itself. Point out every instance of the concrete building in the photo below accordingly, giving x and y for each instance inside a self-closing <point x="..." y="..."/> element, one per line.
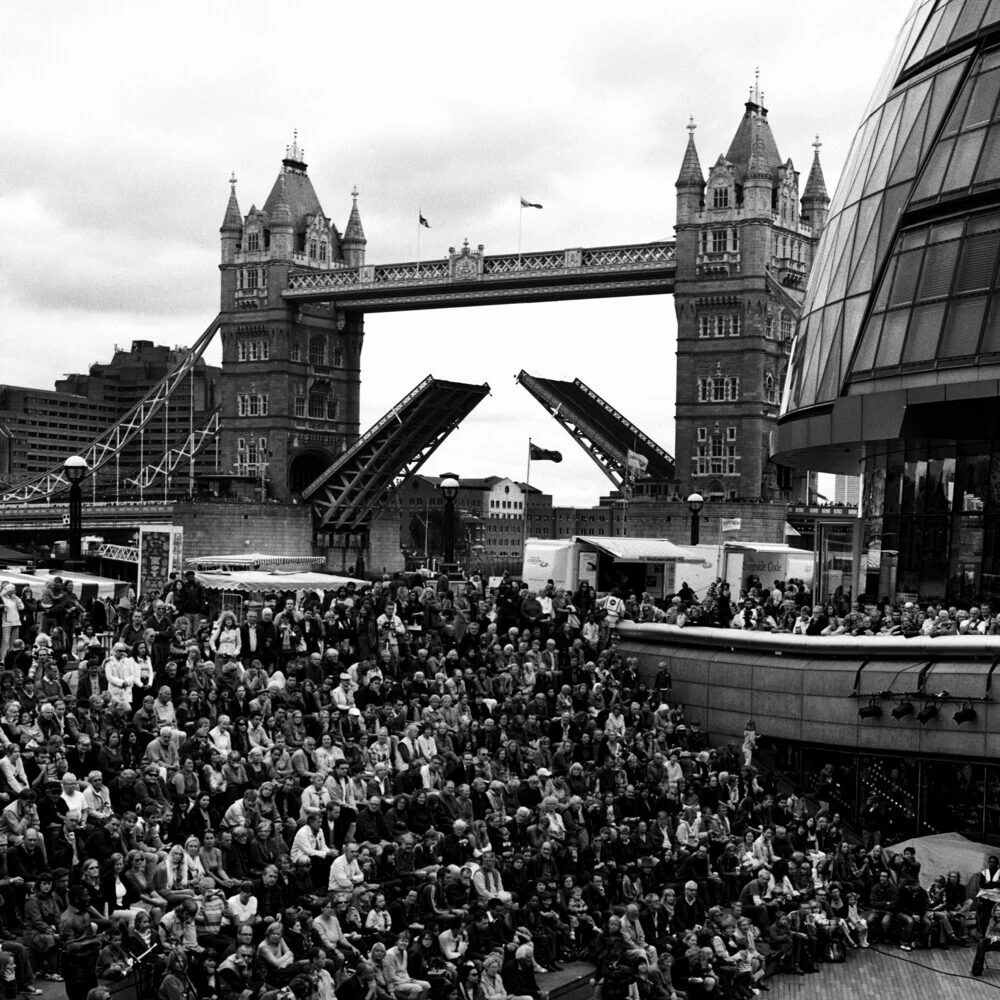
<point x="745" y="247"/>
<point x="40" y="428"/>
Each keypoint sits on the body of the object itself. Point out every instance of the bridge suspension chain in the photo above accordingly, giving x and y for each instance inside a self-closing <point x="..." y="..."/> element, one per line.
<point x="108" y="445"/>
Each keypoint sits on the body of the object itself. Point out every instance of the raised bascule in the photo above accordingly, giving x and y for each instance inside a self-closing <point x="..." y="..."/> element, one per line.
<point x="295" y="292"/>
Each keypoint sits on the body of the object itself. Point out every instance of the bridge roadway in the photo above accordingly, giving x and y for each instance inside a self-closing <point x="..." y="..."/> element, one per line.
<point x="469" y="277"/>
<point x="96" y="516"/>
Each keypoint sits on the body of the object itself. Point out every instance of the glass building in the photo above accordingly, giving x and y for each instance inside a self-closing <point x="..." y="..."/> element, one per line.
<point x="895" y="368"/>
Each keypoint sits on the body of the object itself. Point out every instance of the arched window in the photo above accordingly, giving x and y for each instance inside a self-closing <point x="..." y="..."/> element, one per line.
<point x="332" y="407"/>
<point x="317" y="351"/>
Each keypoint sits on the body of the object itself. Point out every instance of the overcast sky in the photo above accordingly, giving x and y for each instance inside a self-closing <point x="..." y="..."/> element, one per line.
<point x="122" y="122"/>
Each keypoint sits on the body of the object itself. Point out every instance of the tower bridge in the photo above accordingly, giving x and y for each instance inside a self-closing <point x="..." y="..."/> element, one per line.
<point x="295" y="291"/>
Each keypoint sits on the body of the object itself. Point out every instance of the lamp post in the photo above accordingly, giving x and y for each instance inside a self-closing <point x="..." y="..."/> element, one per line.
<point x="449" y="489"/>
<point x="695" y="502"/>
<point x="76" y="470"/>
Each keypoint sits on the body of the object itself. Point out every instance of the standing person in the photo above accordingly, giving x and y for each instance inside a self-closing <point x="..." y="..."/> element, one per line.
<point x="749" y="742"/>
<point x="12" y="608"/>
<point x="192" y="601"/>
<point x="80" y="944"/>
<point x="990" y="941"/>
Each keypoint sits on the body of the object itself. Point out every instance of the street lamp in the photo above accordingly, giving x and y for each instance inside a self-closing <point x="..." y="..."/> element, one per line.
<point x="76" y="470"/>
<point x="695" y="502"/>
<point x="449" y="489"/>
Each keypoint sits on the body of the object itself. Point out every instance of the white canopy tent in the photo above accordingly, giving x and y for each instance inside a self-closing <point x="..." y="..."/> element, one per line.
<point x="255" y="581"/>
<point x="84" y="585"/>
<point x="250" y="561"/>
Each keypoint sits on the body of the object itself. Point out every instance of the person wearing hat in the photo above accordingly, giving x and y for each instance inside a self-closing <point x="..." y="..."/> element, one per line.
<point x="120" y="673"/>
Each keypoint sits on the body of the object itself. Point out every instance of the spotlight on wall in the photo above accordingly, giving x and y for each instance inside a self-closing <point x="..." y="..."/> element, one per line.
<point x="870" y="711"/>
<point x="902" y="710"/>
<point x="965" y="714"/>
<point x="927" y="713"/>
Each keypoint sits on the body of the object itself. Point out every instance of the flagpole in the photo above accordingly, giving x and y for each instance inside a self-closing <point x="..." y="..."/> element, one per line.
<point x="520" y="220"/>
<point x="420" y="215"/>
<point x="524" y="519"/>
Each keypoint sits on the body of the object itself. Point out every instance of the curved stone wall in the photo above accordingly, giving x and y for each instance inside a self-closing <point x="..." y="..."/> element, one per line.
<point x="810" y="689"/>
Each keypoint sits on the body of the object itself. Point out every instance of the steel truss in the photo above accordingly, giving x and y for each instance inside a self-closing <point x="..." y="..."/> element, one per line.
<point x="183" y="450"/>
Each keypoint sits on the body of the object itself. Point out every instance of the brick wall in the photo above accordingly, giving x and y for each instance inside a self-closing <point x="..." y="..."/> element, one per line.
<point x="223" y="529"/>
<point x="759" y="522"/>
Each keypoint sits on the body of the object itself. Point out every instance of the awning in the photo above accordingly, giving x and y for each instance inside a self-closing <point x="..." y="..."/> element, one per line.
<point x="84" y="585"/>
<point x="643" y="549"/>
<point x="251" y="581"/>
<point x="252" y="560"/>
<point x="776" y="547"/>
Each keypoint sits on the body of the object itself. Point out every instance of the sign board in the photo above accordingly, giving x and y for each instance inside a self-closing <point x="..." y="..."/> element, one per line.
<point x="161" y="552"/>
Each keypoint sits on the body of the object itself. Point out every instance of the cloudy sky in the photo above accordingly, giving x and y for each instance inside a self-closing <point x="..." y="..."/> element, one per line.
<point x="123" y="120"/>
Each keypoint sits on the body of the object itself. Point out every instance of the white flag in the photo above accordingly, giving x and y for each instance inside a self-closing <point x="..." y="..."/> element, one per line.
<point x="732" y="523"/>
<point x="637" y="462"/>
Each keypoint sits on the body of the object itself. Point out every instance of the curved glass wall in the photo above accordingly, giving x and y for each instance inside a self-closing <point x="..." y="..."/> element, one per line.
<point x="930" y="136"/>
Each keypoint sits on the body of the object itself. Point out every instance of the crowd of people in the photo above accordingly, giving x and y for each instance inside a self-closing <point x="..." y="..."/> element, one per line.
<point x="787" y="607"/>
<point x="418" y="788"/>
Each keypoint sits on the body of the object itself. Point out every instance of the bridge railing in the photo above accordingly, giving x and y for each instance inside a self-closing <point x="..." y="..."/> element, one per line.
<point x="538" y="264"/>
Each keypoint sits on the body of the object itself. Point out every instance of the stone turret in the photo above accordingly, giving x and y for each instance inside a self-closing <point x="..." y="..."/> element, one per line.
<point x="690" y="181"/>
<point x="232" y="225"/>
<point x="282" y="226"/>
<point x="354" y="242"/>
<point x="815" y="200"/>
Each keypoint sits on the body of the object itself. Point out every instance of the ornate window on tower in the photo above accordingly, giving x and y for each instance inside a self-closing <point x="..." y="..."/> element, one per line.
<point x="300" y="406"/>
<point x="718" y="388"/>
<point x="338" y="357"/>
<point x="252" y="404"/>
<point x="719" y="240"/>
<point x="317" y="351"/>
<point x="770" y="387"/>
<point x="313" y="249"/>
<point x="720" y="197"/>
<point x="332" y="407"/>
<point x="295" y="351"/>
<point x="787" y="326"/>
<point x="253" y="242"/>
<point x="317" y="405"/>
<point x="719" y="325"/>
<point x="322" y="251"/>
<point x="251" y="456"/>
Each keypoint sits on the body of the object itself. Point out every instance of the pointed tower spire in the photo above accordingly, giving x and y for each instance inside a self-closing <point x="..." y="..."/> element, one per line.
<point x="282" y="224"/>
<point x="690" y="166"/>
<point x="232" y="225"/>
<point x="233" y="222"/>
<point x="690" y="183"/>
<point x="354" y="241"/>
<point x="815" y="199"/>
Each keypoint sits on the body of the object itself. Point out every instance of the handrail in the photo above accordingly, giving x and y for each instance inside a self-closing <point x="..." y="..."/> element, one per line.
<point x="918" y="648"/>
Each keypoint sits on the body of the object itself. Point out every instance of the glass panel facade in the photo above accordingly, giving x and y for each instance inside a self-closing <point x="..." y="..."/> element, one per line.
<point x="933" y="514"/>
<point x="883" y="167"/>
<point x="919" y="796"/>
<point x="935" y="309"/>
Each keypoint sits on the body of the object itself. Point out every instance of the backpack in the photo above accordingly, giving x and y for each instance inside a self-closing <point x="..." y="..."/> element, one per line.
<point x="616" y="982"/>
<point x="835" y="952"/>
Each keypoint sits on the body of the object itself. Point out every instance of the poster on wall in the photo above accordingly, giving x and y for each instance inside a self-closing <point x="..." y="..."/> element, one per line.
<point x="587" y="569"/>
<point x="161" y="552"/>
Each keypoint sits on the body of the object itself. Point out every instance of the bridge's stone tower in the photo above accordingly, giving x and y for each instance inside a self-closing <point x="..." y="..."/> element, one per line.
<point x="744" y="249"/>
<point x="290" y="373"/>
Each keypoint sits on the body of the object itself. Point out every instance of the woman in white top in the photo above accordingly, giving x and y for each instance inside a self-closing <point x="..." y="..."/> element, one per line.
<point x="226" y="638"/>
<point x="12" y="608"/>
<point x="120" y="674"/>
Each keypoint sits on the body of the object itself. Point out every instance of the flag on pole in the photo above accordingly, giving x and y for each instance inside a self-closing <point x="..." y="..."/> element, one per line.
<point x="637" y="462"/>
<point x="536" y="454"/>
<point x="528" y="204"/>
<point x="423" y="221"/>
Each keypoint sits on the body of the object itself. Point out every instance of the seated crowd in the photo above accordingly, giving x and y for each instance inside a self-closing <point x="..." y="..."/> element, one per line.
<point x="787" y="607"/>
<point x="399" y="791"/>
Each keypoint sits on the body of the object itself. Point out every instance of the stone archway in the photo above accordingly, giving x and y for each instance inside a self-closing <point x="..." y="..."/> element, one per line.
<point x="306" y="467"/>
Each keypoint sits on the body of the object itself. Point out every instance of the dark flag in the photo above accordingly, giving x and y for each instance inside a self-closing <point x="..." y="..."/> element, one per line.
<point x="536" y="454"/>
<point x="424" y="222"/>
<point x="528" y="204"/>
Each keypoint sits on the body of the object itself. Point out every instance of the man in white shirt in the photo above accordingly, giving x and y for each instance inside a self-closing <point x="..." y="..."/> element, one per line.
<point x="97" y="797"/>
<point x="315" y="798"/>
<point x="219" y="735"/>
<point x="343" y="696"/>
<point x="345" y="872"/>
<point x="120" y="673"/>
<point x="243" y="906"/>
<point x="309" y="848"/>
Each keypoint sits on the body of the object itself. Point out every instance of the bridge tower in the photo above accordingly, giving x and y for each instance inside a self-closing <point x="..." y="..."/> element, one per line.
<point x="290" y="372"/>
<point x="744" y="249"/>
